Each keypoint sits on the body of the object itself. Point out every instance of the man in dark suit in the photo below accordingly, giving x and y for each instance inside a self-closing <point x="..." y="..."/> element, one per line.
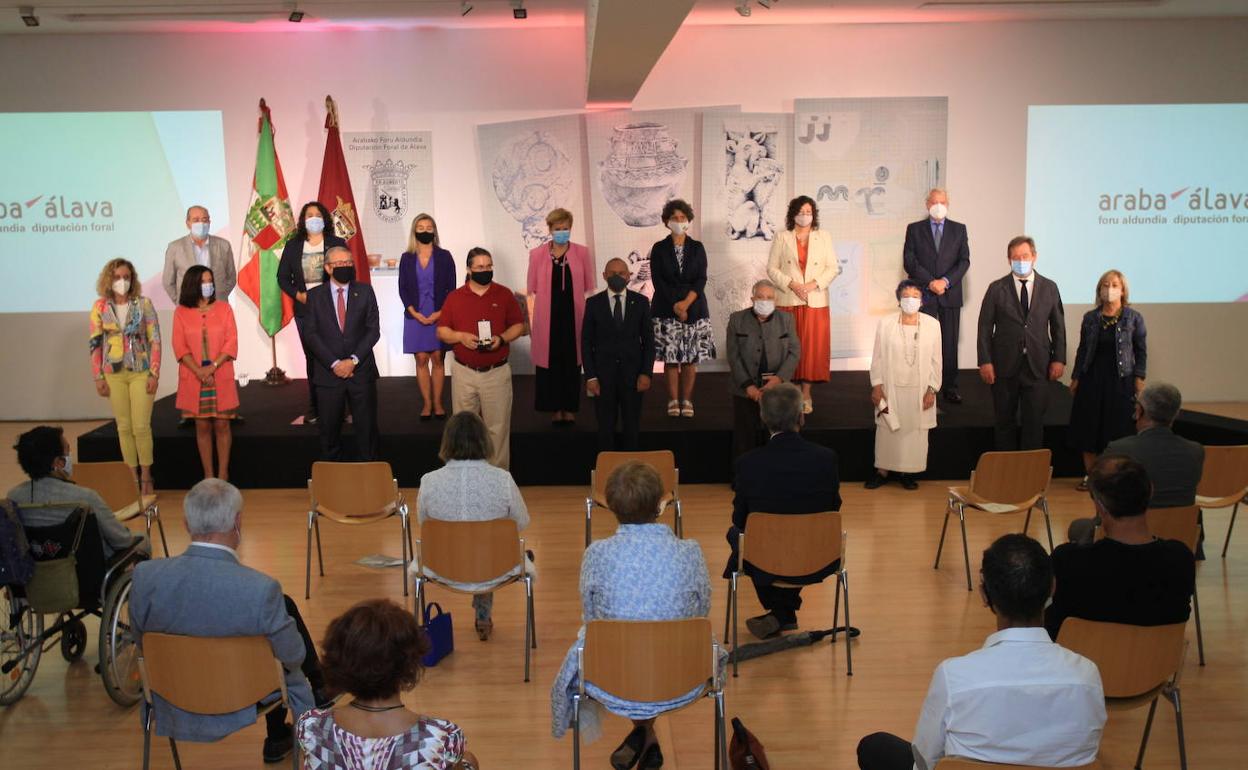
<point x="937" y="255"/>
<point x="1021" y="346"/>
<point x="617" y="353"/>
<point x="788" y="475"/>
<point x="343" y="325"/>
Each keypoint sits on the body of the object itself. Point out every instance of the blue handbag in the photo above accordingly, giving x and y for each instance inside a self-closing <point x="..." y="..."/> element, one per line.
<point x="441" y="634"/>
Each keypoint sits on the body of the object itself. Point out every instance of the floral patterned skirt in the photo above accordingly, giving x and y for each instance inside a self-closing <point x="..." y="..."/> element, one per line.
<point x="681" y="342"/>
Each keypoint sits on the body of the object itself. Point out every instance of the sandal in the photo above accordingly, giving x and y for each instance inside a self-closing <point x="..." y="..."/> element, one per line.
<point x="686" y="408"/>
<point x="808" y="407"/>
<point x="629" y="751"/>
<point x="673" y="408"/>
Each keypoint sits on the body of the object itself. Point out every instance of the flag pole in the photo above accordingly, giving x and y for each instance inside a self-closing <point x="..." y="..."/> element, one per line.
<point x="275" y="376"/>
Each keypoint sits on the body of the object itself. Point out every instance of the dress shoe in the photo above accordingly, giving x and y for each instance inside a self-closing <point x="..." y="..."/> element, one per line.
<point x="908" y="481"/>
<point x="277" y="749"/>
<point x="876" y="481"/>
<point x="767" y="626"/>
<point x="310" y="418"/>
<point x="484" y="629"/>
<point x="652" y="758"/>
<point x="953" y="397"/>
<point x="628" y="752"/>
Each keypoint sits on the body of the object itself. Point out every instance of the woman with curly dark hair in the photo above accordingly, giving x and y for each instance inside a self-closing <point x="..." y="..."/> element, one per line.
<point x="372" y="652"/>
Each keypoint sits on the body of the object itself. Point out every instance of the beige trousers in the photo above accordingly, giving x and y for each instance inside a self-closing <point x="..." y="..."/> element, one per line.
<point x="489" y="395"/>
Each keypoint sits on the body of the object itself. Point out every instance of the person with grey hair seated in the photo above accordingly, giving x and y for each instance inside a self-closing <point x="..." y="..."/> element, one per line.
<point x="207" y="592"/>
<point x="763" y="350"/>
<point x="787" y="475"/>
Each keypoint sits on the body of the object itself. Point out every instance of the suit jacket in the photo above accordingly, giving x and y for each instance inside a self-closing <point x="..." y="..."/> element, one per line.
<point x="290" y="267"/>
<point x="617" y="355"/>
<point x="925" y="263"/>
<point x="1009" y="341"/>
<point x="206" y="592"/>
<point x="783" y="266"/>
<point x="788" y="475"/>
<point x="748" y="339"/>
<point x="672" y="283"/>
<point x="180" y="257"/>
<point x="328" y="343"/>
<point x="1174" y="464"/>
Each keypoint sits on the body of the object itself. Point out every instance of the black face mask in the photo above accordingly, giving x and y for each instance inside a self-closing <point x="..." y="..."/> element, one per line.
<point x="617" y="283"/>
<point x="483" y="278"/>
<point x="425" y="238"/>
<point x="344" y="274"/>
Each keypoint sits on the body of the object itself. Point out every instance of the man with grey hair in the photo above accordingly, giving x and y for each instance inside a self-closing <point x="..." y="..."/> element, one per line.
<point x="763" y="350"/>
<point x="207" y="592"/>
<point x="788" y="475"/>
<point x="198" y="247"/>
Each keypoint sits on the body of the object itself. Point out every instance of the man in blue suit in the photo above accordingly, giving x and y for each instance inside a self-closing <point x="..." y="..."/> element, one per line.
<point x="207" y="592"/>
<point x="937" y="255"/>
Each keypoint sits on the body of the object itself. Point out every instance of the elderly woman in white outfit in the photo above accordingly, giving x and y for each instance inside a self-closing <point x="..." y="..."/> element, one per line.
<point x="905" y="378"/>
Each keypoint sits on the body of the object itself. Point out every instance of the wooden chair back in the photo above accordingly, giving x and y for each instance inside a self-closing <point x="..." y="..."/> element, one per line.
<point x="470" y="551"/>
<point x="1016" y="478"/>
<point x="648" y="660"/>
<point x="793" y="544"/>
<point x="1133" y="659"/>
<point x="663" y="461"/>
<point x="962" y="763"/>
<point x="210" y="675"/>
<point x="1182" y="524"/>
<point x="352" y="490"/>
<point x="1224" y="474"/>
<point x="114" y="481"/>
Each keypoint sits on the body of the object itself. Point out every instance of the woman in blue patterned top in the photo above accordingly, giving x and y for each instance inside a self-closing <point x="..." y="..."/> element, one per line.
<point x="642" y="572"/>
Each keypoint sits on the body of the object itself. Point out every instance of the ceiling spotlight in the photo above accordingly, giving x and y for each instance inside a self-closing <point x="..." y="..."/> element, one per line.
<point x="743" y="7"/>
<point x="465" y="8"/>
<point x="518" y="11"/>
<point x="28" y="16"/>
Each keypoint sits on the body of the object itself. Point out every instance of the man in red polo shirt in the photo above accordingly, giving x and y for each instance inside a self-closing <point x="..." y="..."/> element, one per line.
<point x="481" y="319"/>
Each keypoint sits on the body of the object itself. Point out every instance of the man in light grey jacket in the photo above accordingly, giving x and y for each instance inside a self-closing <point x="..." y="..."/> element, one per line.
<point x="207" y="592"/>
<point x="197" y="247"/>
<point x="763" y="350"/>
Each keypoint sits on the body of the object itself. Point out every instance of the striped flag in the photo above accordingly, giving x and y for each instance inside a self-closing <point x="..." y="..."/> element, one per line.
<point x="269" y="223"/>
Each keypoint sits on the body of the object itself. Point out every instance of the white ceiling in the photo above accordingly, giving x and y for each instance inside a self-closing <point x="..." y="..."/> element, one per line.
<point x="92" y="16"/>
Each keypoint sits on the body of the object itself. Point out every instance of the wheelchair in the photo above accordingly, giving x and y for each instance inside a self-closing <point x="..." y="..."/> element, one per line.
<point x="103" y="591"/>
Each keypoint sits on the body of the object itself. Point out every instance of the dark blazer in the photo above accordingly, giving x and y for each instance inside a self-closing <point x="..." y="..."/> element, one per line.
<point x="328" y="343"/>
<point x="611" y="353"/>
<point x="290" y="267"/>
<point x="445" y="279"/>
<point x="747" y="340"/>
<point x="1174" y="464"/>
<point x="672" y="284"/>
<point x="789" y="475"/>
<point x="1004" y="334"/>
<point x="1130" y="338"/>
<point x="925" y="264"/>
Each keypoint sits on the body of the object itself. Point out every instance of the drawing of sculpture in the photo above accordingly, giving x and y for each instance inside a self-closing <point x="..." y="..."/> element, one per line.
<point x="533" y="174"/>
<point x="753" y="174"/>
<point x="641" y="173"/>
<point x="639" y="266"/>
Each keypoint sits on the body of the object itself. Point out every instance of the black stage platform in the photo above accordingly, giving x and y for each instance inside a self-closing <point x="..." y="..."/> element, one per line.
<point x="271" y="452"/>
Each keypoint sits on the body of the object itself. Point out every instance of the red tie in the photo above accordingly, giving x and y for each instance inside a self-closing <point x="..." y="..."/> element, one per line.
<point x="342" y="312"/>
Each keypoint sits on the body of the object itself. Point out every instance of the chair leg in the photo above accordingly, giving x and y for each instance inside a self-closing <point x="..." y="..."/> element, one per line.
<point x="147" y="735"/>
<point x="173" y="747"/>
<point x="532" y="620"/>
<point x="849" y="640"/>
<point x="1200" y="637"/>
<point x="320" y="560"/>
<point x="732" y="598"/>
<point x="836" y="607"/>
<point x="1173" y="696"/>
<point x="307" y="571"/>
<point x="160" y="525"/>
<point x="589" y="520"/>
<point x="1230" y="527"/>
<point x="966" y="554"/>
<point x="721" y="733"/>
<point x="528" y="623"/>
<point x="680" y="520"/>
<point x="576" y="731"/>
<point x="419" y="610"/>
<point x="727" y="613"/>
<point x="1048" y="524"/>
<point x="407" y="554"/>
<point x="1027" y="521"/>
<point x="1148" y="726"/>
<point x="941" y="545"/>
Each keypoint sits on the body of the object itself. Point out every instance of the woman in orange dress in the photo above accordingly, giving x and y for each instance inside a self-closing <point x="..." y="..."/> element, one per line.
<point x="802" y="264"/>
<point x="205" y="340"/>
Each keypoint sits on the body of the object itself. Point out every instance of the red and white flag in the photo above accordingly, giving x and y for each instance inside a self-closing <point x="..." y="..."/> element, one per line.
<point x="336" y="193"/>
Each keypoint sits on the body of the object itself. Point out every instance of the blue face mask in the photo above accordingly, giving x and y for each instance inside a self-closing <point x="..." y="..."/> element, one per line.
<point x="562" y="237"/>
<point x="1020" y="267"/>
<point x="199" y="230"/>
<point x="314" y="225"/>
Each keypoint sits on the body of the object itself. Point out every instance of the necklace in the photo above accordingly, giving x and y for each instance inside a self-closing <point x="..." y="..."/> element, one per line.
<point x="373" y="709"/>
<point x="911" y="352"/>
<point x="1109" y="322"/>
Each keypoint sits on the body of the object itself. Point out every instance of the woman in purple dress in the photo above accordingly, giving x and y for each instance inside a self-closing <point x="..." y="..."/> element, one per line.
<point x="426" y="277"/>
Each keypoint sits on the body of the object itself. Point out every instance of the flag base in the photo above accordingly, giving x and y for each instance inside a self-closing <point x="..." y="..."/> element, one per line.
<point x="276" y="376"/>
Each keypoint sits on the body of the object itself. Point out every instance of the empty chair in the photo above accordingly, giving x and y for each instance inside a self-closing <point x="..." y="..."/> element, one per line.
<point x="1224" y="482"/>
<point x="1002" y="483"/>
<point x="662" y="461"/>
<point x="115" y="482"/>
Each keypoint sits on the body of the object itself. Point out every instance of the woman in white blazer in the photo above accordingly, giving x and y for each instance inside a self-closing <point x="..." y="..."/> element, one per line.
<point x="802" y="264"/>
<point x="905" y="378"/>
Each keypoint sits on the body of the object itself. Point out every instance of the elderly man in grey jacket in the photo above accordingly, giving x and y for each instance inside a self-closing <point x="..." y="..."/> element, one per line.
<point x="207" y="592"/>
<point x="762" y="353"/>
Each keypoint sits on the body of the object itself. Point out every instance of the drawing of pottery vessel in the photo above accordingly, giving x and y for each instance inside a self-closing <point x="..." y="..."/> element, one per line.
<point x="642" y="172"/>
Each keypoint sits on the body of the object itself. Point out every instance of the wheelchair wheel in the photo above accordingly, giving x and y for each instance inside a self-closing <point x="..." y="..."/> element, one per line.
<point x="118" y="653"/>
<point x="19" y="628"/>
<point x="73" y="641"/>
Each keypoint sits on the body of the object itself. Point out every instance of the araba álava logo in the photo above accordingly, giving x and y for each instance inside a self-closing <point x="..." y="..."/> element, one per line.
<point x="1198" y="199"/>
<point x="56" y="213"/>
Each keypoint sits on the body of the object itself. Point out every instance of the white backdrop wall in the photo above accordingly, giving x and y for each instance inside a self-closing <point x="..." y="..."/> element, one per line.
<point x="448" y="82"/>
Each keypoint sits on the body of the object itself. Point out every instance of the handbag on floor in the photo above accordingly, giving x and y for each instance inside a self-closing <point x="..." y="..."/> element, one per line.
<point x="441" y="634"/>
<point x="746" y="752"/>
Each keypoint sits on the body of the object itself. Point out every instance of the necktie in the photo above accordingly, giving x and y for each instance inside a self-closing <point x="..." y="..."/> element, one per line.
<point x="618" y="313"/>
<point x="1023" y="300"/>
<point x="937" y="232"/>
<point x="342" y="310"/>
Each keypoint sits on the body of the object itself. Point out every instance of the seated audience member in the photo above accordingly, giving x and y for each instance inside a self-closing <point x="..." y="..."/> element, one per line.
<point x="207" y="592"/>
<point x="1019" y="700"/>
<point x="1128" y="576"/>
<point x="1173" y="463"/>
<point x="468" y="488"/>
<point x="642" y="572"/>
<point x="786" y="475"/>
<point x="45" y="456"/>
<point x="373" y="652"/>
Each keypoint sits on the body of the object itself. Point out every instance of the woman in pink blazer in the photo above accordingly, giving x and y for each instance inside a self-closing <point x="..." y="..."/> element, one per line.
<point x="205" y="341"/>
<point x="561" y="276"/>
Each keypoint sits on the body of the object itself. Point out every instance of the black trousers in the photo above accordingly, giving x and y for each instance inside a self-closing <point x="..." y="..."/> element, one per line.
<point x="950" y="319"/>
<point x="1021" y="397"/>
<point x="308" y="358"/>
<point x="747" y="426"/>
<point x="781" y="602"/>
<point x="618" y="399"/>
<point x="885" y="751"/>
<point x="275" y="721"/>
<point x="361" y="393"/>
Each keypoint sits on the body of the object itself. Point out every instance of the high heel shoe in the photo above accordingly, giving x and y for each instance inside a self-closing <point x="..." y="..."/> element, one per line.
<point x="628" y="752"/>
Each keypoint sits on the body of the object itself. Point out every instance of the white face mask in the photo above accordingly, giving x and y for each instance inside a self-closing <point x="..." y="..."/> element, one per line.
<point x="910" y="305"/>
<point x="803" y="220"/>
<point x="206" y="289"/>
<point x="69" y="464"/>
<point x="199" y="230"/>
<point x="1021" y="267"/>
<point x="121" y="286"/>
<point x="764" y="307"/>
<point x="1111" y="294"/>
<point x="314" y="225"/>
<point x="677" y="228"/>
<point x="938" y="211"/>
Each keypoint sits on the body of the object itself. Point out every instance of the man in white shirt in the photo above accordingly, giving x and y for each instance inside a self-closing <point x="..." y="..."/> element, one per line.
<point x="1019" y="700"/>
<point x="198" y="247"/>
